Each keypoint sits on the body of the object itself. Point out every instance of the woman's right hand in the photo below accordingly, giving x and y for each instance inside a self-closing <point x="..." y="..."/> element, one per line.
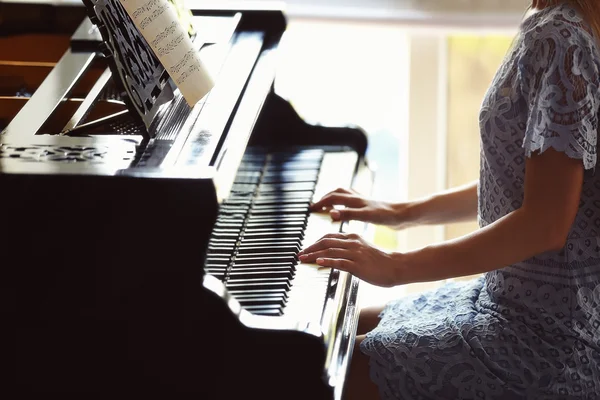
<point x="357" y="207"/>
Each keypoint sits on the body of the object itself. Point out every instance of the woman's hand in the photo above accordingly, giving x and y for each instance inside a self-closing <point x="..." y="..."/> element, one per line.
<point x="351" y="253"/>
<point x="358" y="208"/>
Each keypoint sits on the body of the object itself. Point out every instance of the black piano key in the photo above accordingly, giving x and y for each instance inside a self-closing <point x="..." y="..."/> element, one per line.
<point x="231" y="220"/>
<point x="224" y="250"/>
<point x="216" y="241"/>
<point x="272" y="196"/>
<point x="286" y="188"/>
<point x="282" y="205"/>
<point x="276" y="211"/>
<point x="288" y="179"/>
<point x="262" y="302"/>
<point x="265" y="256"/>
<point x="276" y="218"/>
<point x="252" y="281"/>
<point x="229" y="225"/>
<point x="282" y="201"/>
<point x="210" y="259"/>
<point x="252" y="259"/>
<point x="268" y="264"/>
<point x="247" y="177"/>
<point x="296" y="229"/>
<point x="301" y="165"/>
<point x="270" y="241"/>
<point x="258" y="297"/>
<point x="259" y="310"/>
<point x="278" y="224"/>
<point x="224" y="231"/>
<point x="220" y="268"/>
<point x="295" y="176"/>
<point x="271" y="235"/>
<point x="225" y="235"/>
<point x="258" y="285"/>
<point x="235" y="291"/>
<point x="261" y="274"/>
<point x="295" y="248"/>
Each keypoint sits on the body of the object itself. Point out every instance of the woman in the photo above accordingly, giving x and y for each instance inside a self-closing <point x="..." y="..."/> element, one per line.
<point x="530" y="329"/>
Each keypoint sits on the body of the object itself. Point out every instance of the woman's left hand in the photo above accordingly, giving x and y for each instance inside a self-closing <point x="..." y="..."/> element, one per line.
<point x="351" y="253"/>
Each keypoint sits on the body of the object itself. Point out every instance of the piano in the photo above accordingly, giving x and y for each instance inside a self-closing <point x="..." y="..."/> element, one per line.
<point x="149" y="248"/>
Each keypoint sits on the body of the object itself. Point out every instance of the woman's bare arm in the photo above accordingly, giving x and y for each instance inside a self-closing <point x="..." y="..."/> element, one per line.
<point x="553" y="183"/>
<point x="454" y="205"/>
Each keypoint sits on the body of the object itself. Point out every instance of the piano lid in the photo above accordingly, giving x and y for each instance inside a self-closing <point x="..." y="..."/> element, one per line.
<point x="208" y="139"/>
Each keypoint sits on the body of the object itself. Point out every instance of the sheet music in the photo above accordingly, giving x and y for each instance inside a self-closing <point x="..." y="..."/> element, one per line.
<point x="158" y="23"/>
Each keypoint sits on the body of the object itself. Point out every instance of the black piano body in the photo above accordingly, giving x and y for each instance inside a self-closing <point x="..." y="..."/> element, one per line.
<point x="109" y="226"/>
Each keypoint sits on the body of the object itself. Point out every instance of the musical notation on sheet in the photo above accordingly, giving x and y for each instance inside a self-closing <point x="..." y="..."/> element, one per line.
<point x="158" y="23"/>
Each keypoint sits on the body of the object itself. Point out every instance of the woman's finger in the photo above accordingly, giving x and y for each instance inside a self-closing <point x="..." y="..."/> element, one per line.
<point x="327" y="253"/>
<point x="327" y="243"/>
<point x="337" y="199"/>
<point x="337" y="263"/>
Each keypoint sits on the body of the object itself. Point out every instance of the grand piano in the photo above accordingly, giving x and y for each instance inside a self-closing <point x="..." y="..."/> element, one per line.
<point x="149" y="248"/>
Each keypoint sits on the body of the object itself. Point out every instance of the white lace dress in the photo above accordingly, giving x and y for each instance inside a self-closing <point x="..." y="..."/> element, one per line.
<point x="530" y="330"/>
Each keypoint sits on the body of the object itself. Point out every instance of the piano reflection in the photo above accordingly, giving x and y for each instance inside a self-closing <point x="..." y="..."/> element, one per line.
<point x="149" y="248"/>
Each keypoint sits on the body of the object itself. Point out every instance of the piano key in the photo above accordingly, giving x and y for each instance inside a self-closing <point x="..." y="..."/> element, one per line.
<point x="282" y="204"/>
<point x="288" y="179"/>
<point x="224" y="250"/>
<point x="285" y="188"/>
<point x="266" y="312"/>
<point x="251" y="281"/>
<point x="299" y="230"/>
<point x="229" y="225"/>
<point x="295" y="176"/>
<point x="262" y="301"/>
<point x="265" y="264"/>
<point x="257" y="290"/>
<point x="240" y="271"/>
<point x="266" y="256"/>
<point x="254" y="295"/>
<point x="230" y="220"/>
<point x="296" y="195"/>
<point x="301" y="165"/>
<point x="222" y="241"/>
<point x="275" y="218"/>
<point x="275" y="211"/>
<point x="226" y="235"/>
<point x="286" y="248"/>
<point x="311" y="283"/>
<point x="252" y="260"/>
<point x="284" y="274"/>
<point x="258" y="285"/>
<point x="271" y="234"/>
<point x="282" y="201"/>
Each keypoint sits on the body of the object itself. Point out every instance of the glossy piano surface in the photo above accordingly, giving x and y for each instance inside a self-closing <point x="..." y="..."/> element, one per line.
<point x="161" y="258"/>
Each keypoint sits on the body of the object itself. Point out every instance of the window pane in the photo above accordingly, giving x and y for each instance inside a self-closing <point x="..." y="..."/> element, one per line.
<point x="472" y="63"/>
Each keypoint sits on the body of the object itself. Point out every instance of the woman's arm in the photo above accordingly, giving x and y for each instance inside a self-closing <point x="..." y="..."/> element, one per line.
<point x="553" y="184"/>
<point x="454" y="205"/>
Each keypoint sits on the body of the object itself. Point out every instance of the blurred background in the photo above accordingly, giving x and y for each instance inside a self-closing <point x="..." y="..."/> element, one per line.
<point x="412" y="73"/>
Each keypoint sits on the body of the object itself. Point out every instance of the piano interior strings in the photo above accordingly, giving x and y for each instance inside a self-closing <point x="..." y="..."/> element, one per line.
<point x="153" y="248"/>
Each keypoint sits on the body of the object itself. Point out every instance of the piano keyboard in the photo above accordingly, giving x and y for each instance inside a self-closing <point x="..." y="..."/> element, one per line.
<point x="265" y="222"/>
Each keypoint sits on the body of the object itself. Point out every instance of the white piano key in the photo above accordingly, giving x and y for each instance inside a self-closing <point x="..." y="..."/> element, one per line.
<point x="310" y="285"/>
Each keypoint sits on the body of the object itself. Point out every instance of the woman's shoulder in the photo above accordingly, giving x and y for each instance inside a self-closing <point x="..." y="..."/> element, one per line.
<point x="560" y="27"/>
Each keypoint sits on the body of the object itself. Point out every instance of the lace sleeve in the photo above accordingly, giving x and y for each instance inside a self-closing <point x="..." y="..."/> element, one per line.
<point x="560" y="84"/>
